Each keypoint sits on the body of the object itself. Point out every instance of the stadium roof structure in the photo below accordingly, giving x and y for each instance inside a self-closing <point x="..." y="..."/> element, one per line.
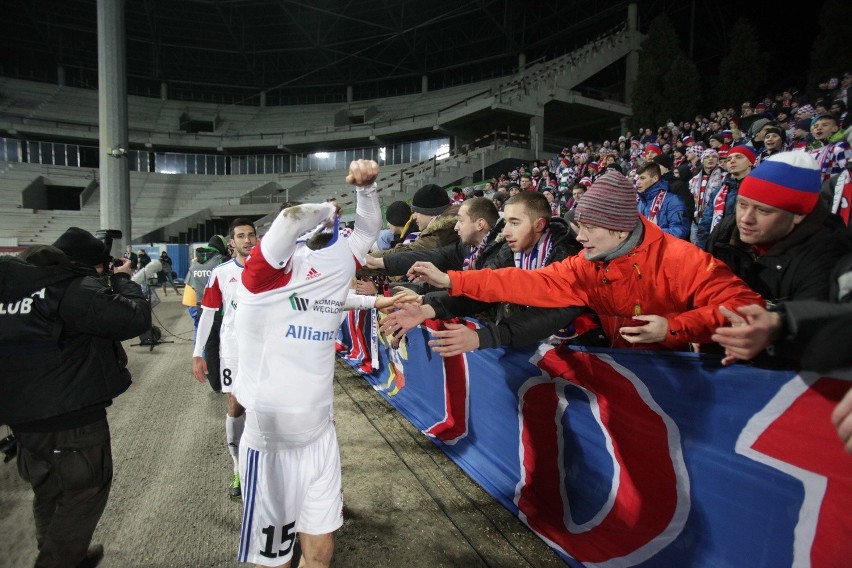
<point x="299" y="51"/>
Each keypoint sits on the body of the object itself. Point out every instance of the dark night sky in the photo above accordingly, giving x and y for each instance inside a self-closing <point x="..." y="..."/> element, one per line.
<point x="787" y="35"/>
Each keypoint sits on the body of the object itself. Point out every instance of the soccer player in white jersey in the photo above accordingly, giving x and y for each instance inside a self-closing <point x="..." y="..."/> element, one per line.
<point x="295" y="285"/>
<point x="221" y="293"/>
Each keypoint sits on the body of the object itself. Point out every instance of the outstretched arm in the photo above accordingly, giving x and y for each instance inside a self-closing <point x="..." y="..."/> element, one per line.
<point x="553" y="286"/>
<point x="368" y="213"/>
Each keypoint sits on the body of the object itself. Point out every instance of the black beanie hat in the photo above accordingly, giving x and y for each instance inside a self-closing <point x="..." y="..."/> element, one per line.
<point x="219" y="243"/>
<point x="82" y="246"/>
<point x="777" y="130"/>
<point x="664" y="160"/>
<point x="398" y="213"/>
<point x="430" y="200"/>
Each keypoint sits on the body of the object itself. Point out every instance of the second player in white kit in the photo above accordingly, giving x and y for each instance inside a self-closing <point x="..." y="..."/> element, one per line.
<point x="221" y="294"/>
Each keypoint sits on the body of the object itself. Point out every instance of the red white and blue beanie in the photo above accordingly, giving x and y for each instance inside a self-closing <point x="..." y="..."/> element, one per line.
<point x="687" y="139"/>
<point x="655" y="148"/>
<point x="790" y="181"/>
<point x="594" y="166"/>
<point x="746" y="151"/>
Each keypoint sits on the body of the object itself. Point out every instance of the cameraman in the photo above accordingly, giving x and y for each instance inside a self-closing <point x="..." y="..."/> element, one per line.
<point x="62" y="364"/>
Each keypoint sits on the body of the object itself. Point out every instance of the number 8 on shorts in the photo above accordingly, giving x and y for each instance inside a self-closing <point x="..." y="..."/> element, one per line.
<point x="228" y="372"/>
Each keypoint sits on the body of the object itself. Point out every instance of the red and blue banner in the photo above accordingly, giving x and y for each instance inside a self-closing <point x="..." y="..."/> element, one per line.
<point x="636" y="458"/>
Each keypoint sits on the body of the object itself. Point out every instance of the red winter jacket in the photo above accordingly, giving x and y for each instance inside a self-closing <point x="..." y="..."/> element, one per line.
<point x="663" y="275"/>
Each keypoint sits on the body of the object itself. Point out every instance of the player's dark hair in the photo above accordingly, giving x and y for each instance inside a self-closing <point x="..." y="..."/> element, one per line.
<point x="239" y="222"/>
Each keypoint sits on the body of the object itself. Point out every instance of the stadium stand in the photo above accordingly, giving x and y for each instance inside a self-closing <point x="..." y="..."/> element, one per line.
<point x="164" y="205"/>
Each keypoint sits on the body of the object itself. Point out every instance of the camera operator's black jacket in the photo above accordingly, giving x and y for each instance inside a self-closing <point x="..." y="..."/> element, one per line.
<point x="61" y="363"/>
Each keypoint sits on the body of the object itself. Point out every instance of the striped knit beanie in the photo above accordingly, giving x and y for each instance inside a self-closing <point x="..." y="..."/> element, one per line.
<point x="790" y="181"/>
<point x="610" y="203"/>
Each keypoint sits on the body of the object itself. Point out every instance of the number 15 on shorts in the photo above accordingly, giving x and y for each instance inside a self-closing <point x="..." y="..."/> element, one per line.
<point x="273" y="550"/>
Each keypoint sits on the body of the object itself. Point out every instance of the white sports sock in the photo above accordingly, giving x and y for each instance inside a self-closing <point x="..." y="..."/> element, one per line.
<point x="234" y="426"/>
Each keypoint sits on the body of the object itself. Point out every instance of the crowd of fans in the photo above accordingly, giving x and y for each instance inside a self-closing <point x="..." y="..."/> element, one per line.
<point x="763" y="192"/>
<point x="693" y="155"/>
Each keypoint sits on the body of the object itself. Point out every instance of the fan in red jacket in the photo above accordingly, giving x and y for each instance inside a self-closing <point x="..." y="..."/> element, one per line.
<point x="648" y="287"/>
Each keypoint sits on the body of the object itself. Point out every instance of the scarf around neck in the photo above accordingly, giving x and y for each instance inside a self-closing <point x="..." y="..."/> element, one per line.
<point x="539" y="254"/>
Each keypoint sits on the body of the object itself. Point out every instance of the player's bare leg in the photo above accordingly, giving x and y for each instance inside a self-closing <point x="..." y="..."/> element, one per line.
<point x="317" y="550"/>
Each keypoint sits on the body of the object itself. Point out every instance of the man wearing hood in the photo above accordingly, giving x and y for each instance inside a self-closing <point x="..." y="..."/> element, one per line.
<point x="206" y="259"/>
<point x="658" y="203"/>
<point x="60" y="326"/>
<point x="678" y="185"/>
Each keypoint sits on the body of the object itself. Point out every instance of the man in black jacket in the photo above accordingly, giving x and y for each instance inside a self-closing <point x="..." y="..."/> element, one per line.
<point x="782" y="241"/>
<point x="60" y="326"/>
<point x="480" y="238"/>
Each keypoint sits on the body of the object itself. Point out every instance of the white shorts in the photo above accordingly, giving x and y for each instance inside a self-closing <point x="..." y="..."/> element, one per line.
<point x="288" y="491"/>
<point x="228" y="373"/>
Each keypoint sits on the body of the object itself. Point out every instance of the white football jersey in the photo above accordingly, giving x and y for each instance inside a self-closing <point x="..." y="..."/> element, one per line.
<point x="288" y="321"/>
<point x="221" y="293"/>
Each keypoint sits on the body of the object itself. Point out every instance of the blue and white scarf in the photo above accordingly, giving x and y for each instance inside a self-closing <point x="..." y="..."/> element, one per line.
<point x="539" y="254"/>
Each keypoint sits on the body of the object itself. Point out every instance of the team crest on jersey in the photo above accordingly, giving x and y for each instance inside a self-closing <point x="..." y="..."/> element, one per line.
<point x="298" y="303"/>
<point x="312" y="273"/>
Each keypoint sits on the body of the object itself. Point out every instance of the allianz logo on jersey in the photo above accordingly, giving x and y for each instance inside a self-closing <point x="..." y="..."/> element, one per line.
<point x="323" y="306"/>
<point x="308" y="333"/>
